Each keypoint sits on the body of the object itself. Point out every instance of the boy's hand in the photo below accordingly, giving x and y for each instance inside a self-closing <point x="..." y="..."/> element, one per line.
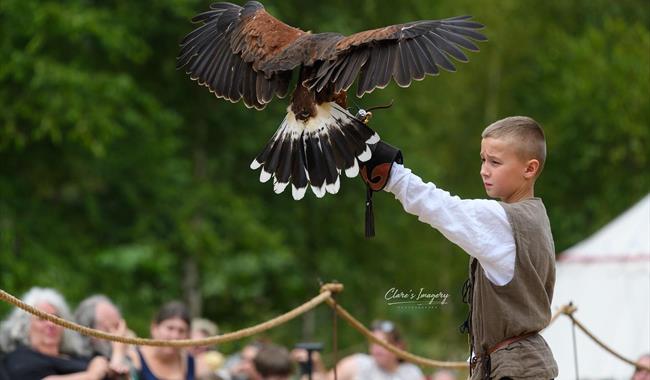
<point x="376" y="171"/>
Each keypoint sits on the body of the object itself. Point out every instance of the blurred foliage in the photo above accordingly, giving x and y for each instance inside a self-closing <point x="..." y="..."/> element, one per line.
<point x="119" y="175"/>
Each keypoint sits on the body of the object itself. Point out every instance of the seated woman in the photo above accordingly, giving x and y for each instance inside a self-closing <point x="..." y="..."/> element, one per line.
<point x="100" y="313"/>
<point x="153" y="363"/>
<point x="38" y="349"/>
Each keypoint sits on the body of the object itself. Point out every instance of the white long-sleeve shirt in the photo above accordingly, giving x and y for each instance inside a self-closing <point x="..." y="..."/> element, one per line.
<point x="479" y="226"/>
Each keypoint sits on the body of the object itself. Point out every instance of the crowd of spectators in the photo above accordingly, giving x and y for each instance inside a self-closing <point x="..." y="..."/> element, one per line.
<point x="32" y="348"/>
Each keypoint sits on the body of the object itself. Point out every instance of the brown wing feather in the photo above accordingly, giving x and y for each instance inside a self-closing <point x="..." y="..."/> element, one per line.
<point x="404" y="52"/>
<point x="367" y="36"/>
<point x="227" y="52"/>
<point x="260" y="37"/>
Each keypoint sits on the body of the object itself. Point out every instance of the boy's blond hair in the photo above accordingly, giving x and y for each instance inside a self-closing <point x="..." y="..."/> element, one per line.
<point x="525" y="132"/>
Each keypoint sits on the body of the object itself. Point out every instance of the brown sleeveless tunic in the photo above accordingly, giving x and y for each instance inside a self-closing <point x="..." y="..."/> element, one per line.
<point x="521" y="306"/>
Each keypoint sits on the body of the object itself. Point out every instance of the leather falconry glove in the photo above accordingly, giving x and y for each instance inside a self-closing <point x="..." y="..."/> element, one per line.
<point x="375" y="173"/>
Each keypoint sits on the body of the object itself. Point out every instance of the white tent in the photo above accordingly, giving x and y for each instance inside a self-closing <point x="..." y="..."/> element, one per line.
<point x="607" y="277"/>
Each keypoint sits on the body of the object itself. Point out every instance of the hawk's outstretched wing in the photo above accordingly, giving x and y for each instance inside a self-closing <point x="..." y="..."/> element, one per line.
<point x="245" y="53"/>
<point x="403" y="52"/>
<point x="227" y="51"/>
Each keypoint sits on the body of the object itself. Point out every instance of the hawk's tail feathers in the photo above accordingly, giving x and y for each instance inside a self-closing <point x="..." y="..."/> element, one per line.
<point x="315" y="152"/>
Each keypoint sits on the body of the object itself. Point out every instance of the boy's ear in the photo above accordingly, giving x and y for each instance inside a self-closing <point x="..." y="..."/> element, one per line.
<point x="532" y="168"/>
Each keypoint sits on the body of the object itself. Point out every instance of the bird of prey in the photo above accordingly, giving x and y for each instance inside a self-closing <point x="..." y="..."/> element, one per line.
<point x="244" y="53"/>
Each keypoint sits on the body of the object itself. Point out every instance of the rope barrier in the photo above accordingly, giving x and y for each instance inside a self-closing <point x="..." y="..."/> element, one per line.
<point x="392" y="348"/>
<point x="569" y="309"/>
<point x="240" y="334"/>
<point x="326" y="293"/>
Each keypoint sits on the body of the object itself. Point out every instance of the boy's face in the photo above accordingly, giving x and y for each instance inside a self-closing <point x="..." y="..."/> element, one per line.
<point x="505" y="174"/>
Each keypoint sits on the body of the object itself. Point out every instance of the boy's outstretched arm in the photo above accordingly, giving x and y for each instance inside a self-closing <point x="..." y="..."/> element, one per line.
<point x="480" y="227"/>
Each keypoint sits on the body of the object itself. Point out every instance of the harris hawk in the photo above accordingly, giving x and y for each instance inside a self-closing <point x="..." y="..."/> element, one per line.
<point x="244" y="53"/>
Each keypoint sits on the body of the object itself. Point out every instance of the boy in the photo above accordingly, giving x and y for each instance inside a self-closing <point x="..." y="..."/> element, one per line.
<point x="273" y="362"/>
<point x="512" y="265"/>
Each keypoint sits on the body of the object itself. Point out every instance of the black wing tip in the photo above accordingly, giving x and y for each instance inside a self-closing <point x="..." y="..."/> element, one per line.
<point x="224" y="5"/>
<point x="248" y="104"/>
<point x="465" y="23"/>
